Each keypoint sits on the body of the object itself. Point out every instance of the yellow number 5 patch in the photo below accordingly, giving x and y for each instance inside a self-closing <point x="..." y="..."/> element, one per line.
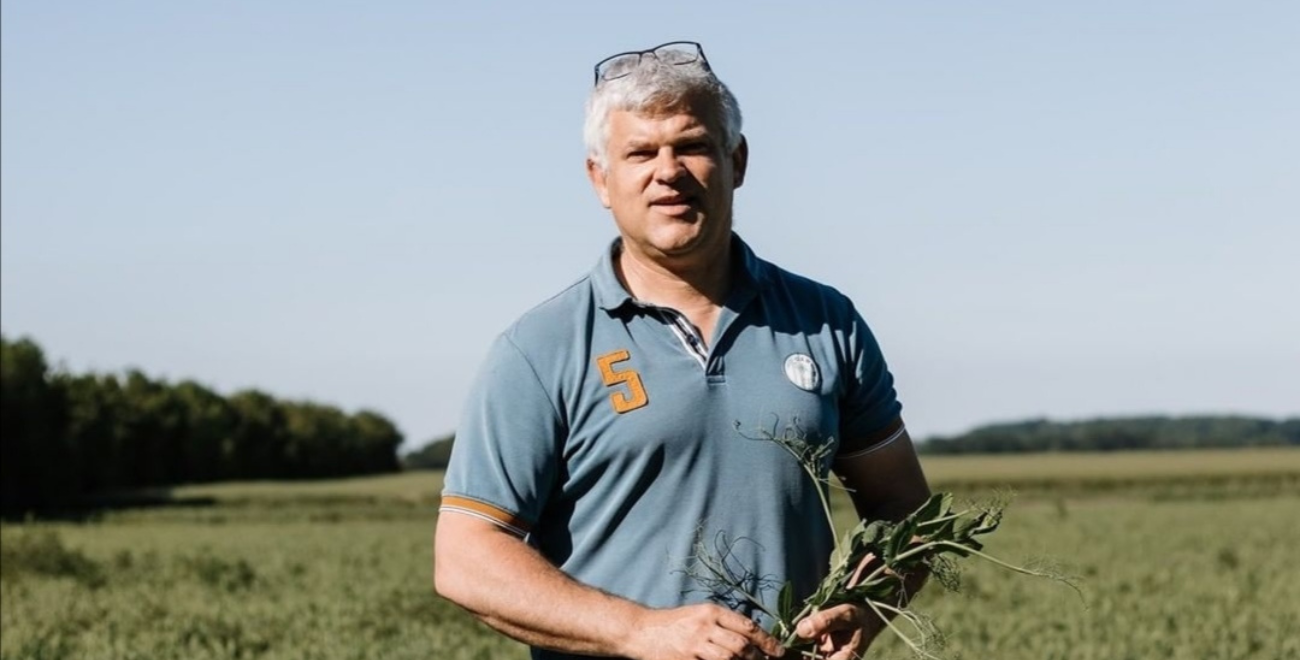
<point x="635" y="396"/>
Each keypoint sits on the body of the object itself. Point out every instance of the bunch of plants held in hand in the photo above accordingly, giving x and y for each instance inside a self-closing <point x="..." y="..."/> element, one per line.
<point x="871" y="562"/>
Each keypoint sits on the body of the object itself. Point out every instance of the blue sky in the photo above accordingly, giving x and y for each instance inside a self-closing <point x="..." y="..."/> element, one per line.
<point x="1043" y="209"/>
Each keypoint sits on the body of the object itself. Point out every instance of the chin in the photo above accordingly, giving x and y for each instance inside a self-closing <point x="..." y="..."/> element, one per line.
<point x="694" y="245"/>
<point x="683" y="238"/>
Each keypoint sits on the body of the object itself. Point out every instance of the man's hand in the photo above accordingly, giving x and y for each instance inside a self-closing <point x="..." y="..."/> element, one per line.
<point x="701" y="632"/>
<point x="842" y="632"/>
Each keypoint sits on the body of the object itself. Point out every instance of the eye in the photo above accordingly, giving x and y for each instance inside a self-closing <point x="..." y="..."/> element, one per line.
<point x="640" y="155"/>
<point x="694" y="147"/>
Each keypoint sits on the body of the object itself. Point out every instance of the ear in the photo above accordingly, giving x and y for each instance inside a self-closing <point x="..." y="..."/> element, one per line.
<point x="739" y="161"/>
<point x="597" y="176"/>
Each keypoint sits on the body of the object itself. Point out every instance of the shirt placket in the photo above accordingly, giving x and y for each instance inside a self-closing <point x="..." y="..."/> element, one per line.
<point x="686" y="333"/>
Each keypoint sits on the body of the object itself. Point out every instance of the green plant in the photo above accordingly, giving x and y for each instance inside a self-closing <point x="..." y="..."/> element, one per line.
<point x="871" y="562"/>
<point x="42" y="552"/>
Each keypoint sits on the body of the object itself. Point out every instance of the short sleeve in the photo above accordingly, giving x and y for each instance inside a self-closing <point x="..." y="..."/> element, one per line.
<point x="505" y="457"/>
<point x="869" y="410"/>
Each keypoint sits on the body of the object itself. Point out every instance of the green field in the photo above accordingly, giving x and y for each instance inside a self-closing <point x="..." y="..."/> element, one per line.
<point x="1182" y="555"/>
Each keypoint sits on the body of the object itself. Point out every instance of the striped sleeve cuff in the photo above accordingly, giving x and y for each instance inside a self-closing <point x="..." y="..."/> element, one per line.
<point x="484" y="511"/>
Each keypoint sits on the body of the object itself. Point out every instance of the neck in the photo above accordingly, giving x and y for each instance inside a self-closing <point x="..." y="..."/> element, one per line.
<point x="685" y="287"/>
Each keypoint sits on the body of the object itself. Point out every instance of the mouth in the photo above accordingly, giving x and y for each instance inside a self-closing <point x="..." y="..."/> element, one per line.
<point x="674" y="204"/>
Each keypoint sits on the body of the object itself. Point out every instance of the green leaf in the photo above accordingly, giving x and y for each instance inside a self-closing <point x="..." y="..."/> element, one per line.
<point x="964" y="528"/>
<point x="988" y="522"/>
<point x="938" y="504"/>
<point x="900" y="539"/>
<point x="786" y="601"/>
<point x="875" y="532"/>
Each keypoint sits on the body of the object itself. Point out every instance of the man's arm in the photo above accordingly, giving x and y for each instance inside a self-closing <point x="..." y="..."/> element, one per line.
<point x="510" y="586"/>
<point x="885" y="483"/>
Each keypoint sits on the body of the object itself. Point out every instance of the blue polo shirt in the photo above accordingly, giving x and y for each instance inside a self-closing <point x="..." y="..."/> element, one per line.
<point x="605" y="432"/>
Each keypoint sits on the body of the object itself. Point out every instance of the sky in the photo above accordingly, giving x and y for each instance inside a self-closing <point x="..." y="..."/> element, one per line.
<point x="1060" y="210"/>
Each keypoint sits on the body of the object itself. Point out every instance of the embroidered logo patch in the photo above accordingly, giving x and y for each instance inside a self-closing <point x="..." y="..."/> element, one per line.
<point x="802" y="371"/>
<point x="635" y="396"/>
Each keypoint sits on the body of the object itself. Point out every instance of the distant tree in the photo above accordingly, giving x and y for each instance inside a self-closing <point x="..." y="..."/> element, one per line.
<point x="1289" y="431"/>
<point x="95" y="408"/>
<point x="256" y="446"/>
<point x="36" y="464"/>
<point x="434" y="455"/>
<point x="1117" y="434"/>
<point x="149" y="428"/>
<point x="377" y="440"/>
<point x="316" y="440"/>
<point x="210" y="422"/>
<point x="65" y="435"/>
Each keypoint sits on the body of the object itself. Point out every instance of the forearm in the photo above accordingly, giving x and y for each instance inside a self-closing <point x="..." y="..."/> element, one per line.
<point x="511" y="587"/>
<point x="887" y="484"/>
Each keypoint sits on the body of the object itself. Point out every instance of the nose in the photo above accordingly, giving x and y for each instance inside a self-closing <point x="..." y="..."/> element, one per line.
<point x="668" y="167"/>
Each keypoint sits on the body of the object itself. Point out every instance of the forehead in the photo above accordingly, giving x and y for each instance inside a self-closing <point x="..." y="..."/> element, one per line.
<point x="625" y="125"/>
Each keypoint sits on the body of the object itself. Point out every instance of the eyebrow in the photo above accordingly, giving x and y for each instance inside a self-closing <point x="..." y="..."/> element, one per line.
<point x="690" y="135"/>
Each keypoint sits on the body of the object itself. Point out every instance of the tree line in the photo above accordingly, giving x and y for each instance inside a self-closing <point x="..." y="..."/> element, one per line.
<point x="66" y="436"/>
<point x="434" y="455"/>
<point x="1040" y="435"/>
<point x="1112" y="434"/>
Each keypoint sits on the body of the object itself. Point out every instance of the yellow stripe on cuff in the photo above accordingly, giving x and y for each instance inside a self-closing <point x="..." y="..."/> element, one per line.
<point x="485" y="511"/>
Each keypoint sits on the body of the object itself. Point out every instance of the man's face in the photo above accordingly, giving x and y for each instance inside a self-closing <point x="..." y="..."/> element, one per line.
<point x="669" y="184"/>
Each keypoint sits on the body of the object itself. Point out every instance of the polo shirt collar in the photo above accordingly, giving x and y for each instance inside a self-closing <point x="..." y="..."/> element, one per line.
<point x="610" y="295"/>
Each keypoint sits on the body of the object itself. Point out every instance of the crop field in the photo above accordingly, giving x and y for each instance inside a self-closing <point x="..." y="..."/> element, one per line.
<point x="1178" y="556"/>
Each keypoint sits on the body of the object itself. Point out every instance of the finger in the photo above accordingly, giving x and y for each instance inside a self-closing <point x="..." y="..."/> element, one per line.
<point x="827" y="645"/>
<point x="716" y="650"/>
<point x="751" y="632"/>
<point x="847" y="645"/>
<point x="839" y="617"/>
<point x="848" y="653"/>
<point x="733" y="643"/>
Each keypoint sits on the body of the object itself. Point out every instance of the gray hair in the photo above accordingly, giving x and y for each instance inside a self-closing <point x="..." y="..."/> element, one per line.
<point x="654" y="85"/>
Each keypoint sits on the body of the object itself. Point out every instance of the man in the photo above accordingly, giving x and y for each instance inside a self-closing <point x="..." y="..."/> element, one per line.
<point x="619" y="423"/>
